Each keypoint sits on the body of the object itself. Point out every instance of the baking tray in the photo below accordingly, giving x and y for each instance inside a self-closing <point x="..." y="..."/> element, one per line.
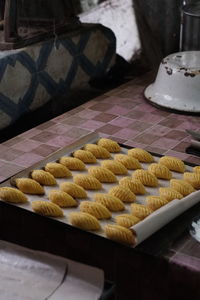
<point x="144" y="228"/>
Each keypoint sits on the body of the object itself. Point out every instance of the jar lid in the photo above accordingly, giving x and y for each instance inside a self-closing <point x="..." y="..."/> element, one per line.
<point x="192" y="9"/>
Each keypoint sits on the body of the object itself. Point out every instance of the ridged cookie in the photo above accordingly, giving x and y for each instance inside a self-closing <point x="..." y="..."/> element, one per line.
<point x="46" y="208"/>
<point x="62" y="199"/>
<point x="57" y="170"/>
<point x="123" y="193"/>
<point x="196" y="169"/>
<point x="29" y="186"/>
<point x="155" y="202"/>
<point x="12" y="195"/>
<point x="120" y="234"/>
<point x="111" y="202"/>
<point x="131" y="163"/>
<point x="141" y="154"/>
<point x="134" y="185"/>
<point x="173" y="163"/>
<point x="43" y="177"/>
<point x="102" y="174"/>
<point x="72" y="163"/>
<point x="182" y="186"/>
<point x="160" y="171"/>
<point x="97" y="151"/>
<point x="88" y="182"/>
<point x="169" y="193"/>
<point x="114" y="166"/>
<point x="193" y="179"/>
<point x="126" y="220"/>
<point x="84" y="221"/>
<point x="73" y="189"/>
<point x="145" y="177"/>
<point x="140" y="211"/>
<point x="98" y="210"/>
<point x="85" y="156"/>
<point x="109" y="145"/>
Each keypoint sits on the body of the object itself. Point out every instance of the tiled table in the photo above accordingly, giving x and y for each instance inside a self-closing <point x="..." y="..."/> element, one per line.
<point x="124" y="115"/>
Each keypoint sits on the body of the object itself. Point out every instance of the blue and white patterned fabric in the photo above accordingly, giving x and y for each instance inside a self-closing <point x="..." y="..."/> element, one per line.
<point x="31" y="76"/>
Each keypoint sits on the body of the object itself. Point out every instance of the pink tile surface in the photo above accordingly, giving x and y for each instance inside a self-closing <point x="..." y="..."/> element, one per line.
<point x="121" y="114"/>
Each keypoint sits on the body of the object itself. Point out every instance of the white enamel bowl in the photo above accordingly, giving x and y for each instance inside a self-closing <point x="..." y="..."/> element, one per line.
<point x="177" y="85"/>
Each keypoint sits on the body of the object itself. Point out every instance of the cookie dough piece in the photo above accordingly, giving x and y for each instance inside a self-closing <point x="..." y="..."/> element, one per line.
<point x="141" y="154"/>
<point x="146" y="178"/>
<point x="84" y="221"/>
<point x="160" y="171"/>
<point x="131" y="163"/>
<point x="126" y="220"/>
<point x="43" y="177"/>
<point x="97" y="151"/>
<point x="109" y="145"/>
<point x="193" y="179"/>
<point x="169" y="194"/>
<point x="114" y="166"/>
<point x="57" y="170"/>
<point x="181" y="186"/>
<point x="72" y="163"/>
<point x="155" y="202"/>
<point x="134" y="185"/>
<point x="98" y="210"/>
<point x="46" y="208"/>
<point x="29" y="186"/>
<point x="88" y="182"/>
<point x="173" y="163"/>
<point x="123" y="193"/>
<point x="140" y="211"/>
<point x="62" y="199"/>
<point x="111" y="202"/>
<point x="120" y="234"/>
<point x="85" y="156"/>
<point x="12" y="195"/>
<point x="102" y="174"/>
<point x="73" y="190"/>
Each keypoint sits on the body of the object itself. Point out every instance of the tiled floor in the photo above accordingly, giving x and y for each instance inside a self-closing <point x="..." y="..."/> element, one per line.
<point x="121" y="114"/>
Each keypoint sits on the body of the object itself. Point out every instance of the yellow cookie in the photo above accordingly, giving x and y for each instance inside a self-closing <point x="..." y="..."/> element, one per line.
<point x="111" y="202"/>
<point x="193" y="179"/>
<point x="57" y="170"/>
<point x="141" y="154"/>
<point x="145" y="177"/>
<point x="173" y="163"/>
<point x="88" y="182"/>
<point x="96" y="209"/>
<point x="196" y="169"/>
<point x="85" y="156"/>
<point x="160" y="171"/>
<point x="102" y="174"/>
<point x="29" y="186"/>
<point x="84" y="221"/>
<point x="12" y="195"/>
<point x="97" y="151"/>
<point x="182" y="186"/>
<point x="61" y="198"/>
<point x="72" y="163"/>
<point x="46" y="208"/>
<point x="134" y="185"/>
<point x="131" y="163"/>
<point x="123" y="193"/>
<point x="114" y="166"/>
<point x="43" y="177"/>
<point x="140" y="211"/>
<point x="169" y="194"/>
<point x="73" y="189"/>
<point x="120" y="234"/>
<point x="109" y="145"/>
<point x="126" y="220"/>
<point x="155" y="202"/>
